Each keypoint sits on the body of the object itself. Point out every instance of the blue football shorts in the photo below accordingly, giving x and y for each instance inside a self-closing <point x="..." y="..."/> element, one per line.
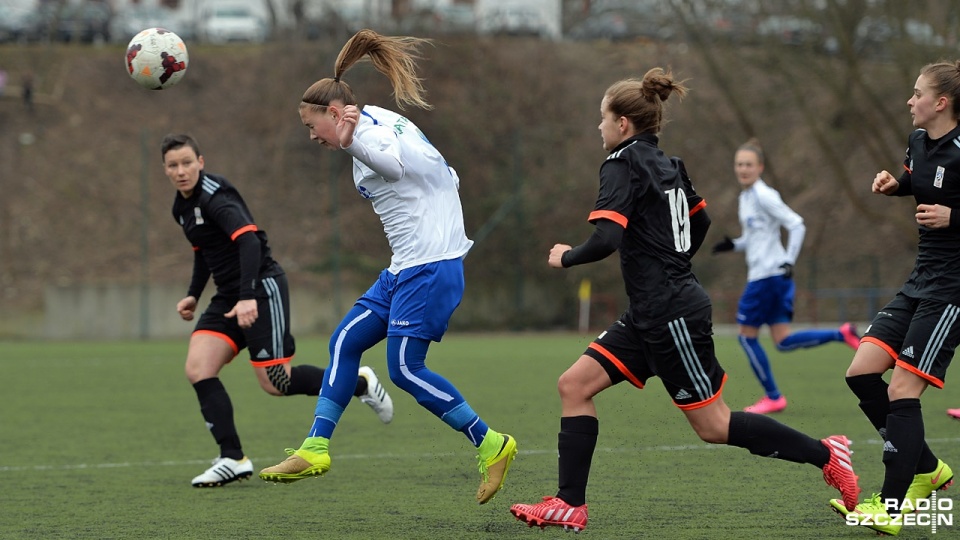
<point x="766" y="301"/>
<point x="419" y="301"/>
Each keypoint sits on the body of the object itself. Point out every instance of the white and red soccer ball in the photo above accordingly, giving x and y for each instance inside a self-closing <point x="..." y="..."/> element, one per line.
<point x="156" y="58"/>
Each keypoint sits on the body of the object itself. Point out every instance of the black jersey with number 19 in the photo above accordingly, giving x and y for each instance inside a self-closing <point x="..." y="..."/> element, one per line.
<point x="651" y="197"/>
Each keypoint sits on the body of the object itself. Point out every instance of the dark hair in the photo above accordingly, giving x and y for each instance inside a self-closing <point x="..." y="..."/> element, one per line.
<point x="174" y="141"/>
<point x="641" y="101"/>
<point x="394" y="57"/>
<point x="944" y="77"/>
<point x="753" y="145"/>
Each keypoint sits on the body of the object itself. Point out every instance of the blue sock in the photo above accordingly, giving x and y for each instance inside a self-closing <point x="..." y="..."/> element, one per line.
<point x="808" y="338"/>
<point x="760" y="365"/>
<point x="359" y="330"/>
<point x="326" y="417"/>
<point x="474" y="428"/>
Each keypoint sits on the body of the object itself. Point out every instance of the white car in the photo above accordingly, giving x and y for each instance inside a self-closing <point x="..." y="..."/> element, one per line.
<point x="232" y="22"/>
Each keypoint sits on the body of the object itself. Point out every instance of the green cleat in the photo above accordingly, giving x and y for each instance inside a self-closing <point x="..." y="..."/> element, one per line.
<point x="493" y="471"/>
<point x="301" y="464"/>
<point x="925" y="484"/>
<point x="870" y="513"/>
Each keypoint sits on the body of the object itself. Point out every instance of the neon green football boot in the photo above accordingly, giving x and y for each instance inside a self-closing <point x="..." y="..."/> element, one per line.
<point x="925" y="484"/>
<point x="870" y="513"/>
<point x="299" y="465"/>
<point x="493" y="470"/>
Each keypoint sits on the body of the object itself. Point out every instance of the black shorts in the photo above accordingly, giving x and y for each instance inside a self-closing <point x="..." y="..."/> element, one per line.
<point x="269" y="340"/>
<point x="920" y="335"/>
<point x="680" y="352"/>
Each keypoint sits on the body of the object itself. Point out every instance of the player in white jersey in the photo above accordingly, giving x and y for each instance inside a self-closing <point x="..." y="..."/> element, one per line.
<point x="768" y="296"/>
<point x="415" y="193"/>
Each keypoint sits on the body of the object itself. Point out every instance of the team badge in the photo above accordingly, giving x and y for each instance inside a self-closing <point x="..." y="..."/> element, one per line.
<point x="197" y="216"/>
<point x="938" y="179"/>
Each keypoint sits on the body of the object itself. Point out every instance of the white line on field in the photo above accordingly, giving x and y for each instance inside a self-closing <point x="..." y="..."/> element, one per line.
<point x="433" y="455"/>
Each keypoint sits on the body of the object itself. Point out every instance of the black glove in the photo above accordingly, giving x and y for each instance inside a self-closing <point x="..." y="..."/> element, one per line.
<point x="725" y="245"/>
<point x="787" y="270"/>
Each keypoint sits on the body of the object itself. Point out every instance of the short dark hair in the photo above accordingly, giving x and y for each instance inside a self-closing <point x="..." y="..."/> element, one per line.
<point x="174" y="141"/>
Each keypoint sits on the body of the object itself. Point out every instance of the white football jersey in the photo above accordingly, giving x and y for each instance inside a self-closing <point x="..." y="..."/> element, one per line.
<point x="762" y="213"/>
<point x="418" y="202"/>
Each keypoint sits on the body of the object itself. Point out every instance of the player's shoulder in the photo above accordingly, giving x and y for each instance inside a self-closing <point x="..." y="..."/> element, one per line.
<point x="765" y="194"/>
<point x="916" y="135"/>
<point x="213" y="184"/>
<point x="623" y="153"/>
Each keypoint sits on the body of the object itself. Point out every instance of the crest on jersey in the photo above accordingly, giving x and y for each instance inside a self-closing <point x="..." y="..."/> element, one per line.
<point x="938" y="179"/>
<point x="197" y="216"/>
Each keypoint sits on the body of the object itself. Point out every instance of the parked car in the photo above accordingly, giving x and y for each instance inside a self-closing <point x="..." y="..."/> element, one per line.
<point x="452" y="19"/>
<point x="232" y="22"/>
<point x="39" y="24"/>
<point x="131" y="20"/>
<point x="610" y="25"/>
<point x="88" y="22"/>
<point x="622" y="24"/>
<point x="878" y="37"/>
<point x="15" y="23"/>
<point x="513" y="21"/>
<point x="791" y="30"/>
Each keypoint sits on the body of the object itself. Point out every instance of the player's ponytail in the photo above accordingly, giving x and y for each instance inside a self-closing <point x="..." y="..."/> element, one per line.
<point x="393" y="56"/>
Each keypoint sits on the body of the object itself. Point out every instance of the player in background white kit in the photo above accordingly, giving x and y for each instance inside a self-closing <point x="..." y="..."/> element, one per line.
<point x="415" y="193"/>
<point x="768" y="296"/>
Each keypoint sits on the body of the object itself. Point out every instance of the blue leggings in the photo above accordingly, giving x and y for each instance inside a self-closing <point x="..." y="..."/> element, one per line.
<point x="360" y="330"/>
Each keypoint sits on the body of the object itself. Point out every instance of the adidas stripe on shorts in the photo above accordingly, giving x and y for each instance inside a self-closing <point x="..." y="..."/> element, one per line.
<point x="269" y="339"/>
<point x="920" y="334"/>
<point x="680" y="352"/>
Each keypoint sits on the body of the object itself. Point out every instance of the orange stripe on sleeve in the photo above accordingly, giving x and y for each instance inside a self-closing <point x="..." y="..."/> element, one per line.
<point x="195" y="248"/>
<point x="616" y="361"/>
<point x="907" y="169"/>
<point x="698" y="207"/>
<point x="615" y="217"/>
<point x="241" y="230"/>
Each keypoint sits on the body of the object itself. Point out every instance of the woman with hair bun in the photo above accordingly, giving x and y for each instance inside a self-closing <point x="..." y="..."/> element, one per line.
<point x="648" y="210"/>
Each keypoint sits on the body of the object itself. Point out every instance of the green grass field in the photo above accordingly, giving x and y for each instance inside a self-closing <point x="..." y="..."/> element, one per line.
<point x="100" y="440"/>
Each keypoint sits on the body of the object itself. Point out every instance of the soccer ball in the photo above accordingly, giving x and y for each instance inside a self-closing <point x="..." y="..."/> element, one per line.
<point x="156" y="58"/>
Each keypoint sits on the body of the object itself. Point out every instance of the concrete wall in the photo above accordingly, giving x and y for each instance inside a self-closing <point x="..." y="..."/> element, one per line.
<point x="117" y="312"/>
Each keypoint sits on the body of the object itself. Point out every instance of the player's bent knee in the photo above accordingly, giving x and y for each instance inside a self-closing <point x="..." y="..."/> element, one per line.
<point x="569" y="387"/>
<point x="277" y="382"/>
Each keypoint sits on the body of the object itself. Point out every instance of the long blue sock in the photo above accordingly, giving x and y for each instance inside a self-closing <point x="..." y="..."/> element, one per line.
<point x="805" y="339"/>
<point x="760" y="365"/>
<point x="359" y="330"/>
<point x="406" y="359"/>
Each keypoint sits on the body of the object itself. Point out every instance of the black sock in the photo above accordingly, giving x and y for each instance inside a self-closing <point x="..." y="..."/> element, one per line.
<point x="871" y="389"/>
<point x="902" y="448"/>
<point x="305" y="380"/>
<point x="217" y="410"/>
<point x="361" y="387"/>
<point x="575" y="444"/>
<point x="764" y="436"/>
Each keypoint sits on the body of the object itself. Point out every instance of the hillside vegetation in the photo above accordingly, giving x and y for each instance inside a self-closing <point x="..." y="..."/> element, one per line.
<point x="86" y="201"/>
